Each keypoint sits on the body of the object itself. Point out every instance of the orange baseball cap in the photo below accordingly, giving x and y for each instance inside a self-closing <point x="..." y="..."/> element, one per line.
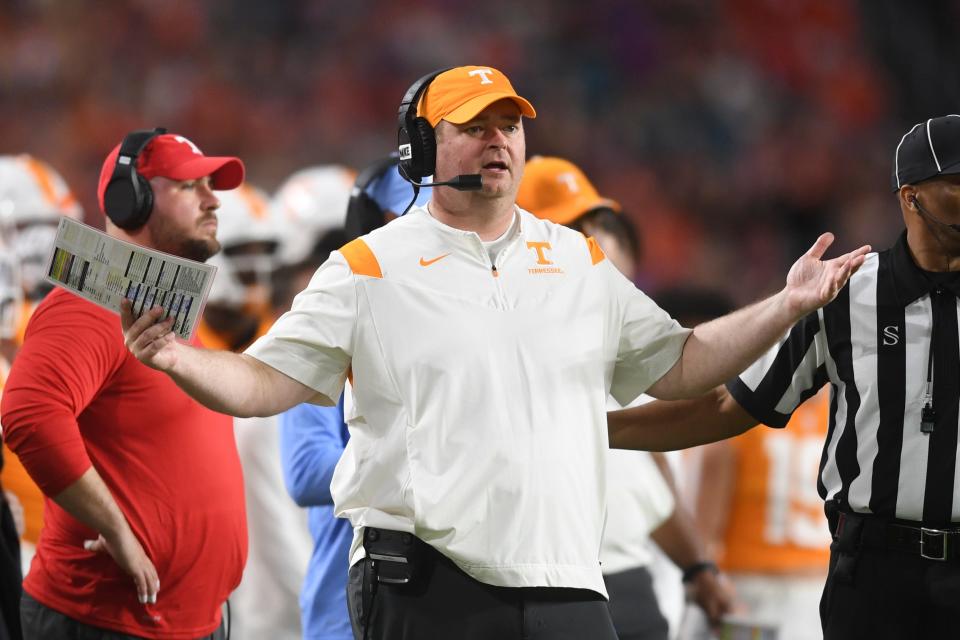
<point x="557" y="190"/>
<point x="460" y="94"/>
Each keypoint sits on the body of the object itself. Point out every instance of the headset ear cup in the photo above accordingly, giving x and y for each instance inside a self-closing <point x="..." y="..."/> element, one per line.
<point x="128" y="198"/>
<point x="426" y="143"/>
<point x="118" y="200"/>
<point x="144" y="204"/>
<point x="128" y="202"/>
<point x="405" y="165"/>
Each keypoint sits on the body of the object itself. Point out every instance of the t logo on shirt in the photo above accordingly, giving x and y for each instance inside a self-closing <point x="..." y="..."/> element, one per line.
<point x="540" y="247"/>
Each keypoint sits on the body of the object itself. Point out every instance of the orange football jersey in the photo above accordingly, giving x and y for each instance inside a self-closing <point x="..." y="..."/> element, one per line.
<point x="211" y="339"/>
<point x="776" y="522"/>
<point x="14" y="478"/>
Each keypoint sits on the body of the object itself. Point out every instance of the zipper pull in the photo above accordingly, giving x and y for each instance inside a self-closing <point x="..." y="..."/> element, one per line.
<point x="928" y="418"/>
<point x="493" y="270"/>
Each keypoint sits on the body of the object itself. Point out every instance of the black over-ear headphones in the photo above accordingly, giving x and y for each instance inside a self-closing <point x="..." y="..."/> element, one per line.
<point x="128" y="198"/>
<point x="363" y="213"/>
<point x="415" y="138"/>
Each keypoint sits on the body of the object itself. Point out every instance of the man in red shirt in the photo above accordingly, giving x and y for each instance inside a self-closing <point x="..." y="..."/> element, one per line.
<point x="142" y="485"/>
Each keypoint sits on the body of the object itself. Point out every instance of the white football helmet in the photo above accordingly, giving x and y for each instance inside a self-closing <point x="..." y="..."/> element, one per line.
<point x="308" y="205"/>
<point x="225" y="290"/>
<point x="247" y="235"/>
<point x="31" y="191"/>
<point x="33" y="197"/>
<point x="11" y="291"/>
<point x="244" y="216"/>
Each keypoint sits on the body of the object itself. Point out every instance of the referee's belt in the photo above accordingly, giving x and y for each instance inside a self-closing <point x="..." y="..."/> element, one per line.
<point x="933" y="544"/>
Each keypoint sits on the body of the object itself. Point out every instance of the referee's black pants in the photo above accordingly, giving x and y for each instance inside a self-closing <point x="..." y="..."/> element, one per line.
<point x="444" y="602"/>
<point x="891" y="595"/>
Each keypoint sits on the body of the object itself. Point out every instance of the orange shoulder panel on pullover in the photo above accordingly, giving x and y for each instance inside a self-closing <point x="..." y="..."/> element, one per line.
<point x="596" y="253"/>
<point x="361" y="259"/>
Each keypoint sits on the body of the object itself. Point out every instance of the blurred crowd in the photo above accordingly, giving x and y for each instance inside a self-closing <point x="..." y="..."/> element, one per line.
<point x="733" y="131"/>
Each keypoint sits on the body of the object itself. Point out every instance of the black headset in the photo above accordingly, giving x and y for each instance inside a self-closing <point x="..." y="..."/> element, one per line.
<point x="363" y="213"/>
<point x="415" y="137"/>
<point x="128" y="198"/>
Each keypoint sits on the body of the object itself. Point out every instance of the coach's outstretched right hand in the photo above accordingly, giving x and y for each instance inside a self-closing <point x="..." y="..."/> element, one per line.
<point x="255" y="388"/>
<point x="151" y="340"/>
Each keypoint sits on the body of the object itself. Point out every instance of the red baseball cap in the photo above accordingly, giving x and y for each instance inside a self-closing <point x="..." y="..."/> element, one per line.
<point x="175" y="157"/>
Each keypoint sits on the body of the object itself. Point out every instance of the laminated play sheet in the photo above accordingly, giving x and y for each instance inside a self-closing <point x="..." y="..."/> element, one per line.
<point x="104" y="270"/>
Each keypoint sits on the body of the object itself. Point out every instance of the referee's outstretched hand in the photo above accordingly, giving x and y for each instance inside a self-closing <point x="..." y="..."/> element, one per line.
<point x="813" y="282"/>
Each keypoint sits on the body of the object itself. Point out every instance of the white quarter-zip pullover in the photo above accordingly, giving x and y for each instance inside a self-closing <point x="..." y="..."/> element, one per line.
<point x="479" y="416"/>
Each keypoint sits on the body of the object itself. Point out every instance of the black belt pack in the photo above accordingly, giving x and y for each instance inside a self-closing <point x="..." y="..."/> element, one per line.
<point x="395" y="554"/>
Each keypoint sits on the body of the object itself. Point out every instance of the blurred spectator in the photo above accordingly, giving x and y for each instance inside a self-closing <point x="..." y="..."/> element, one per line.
<point x="715" y="127"/>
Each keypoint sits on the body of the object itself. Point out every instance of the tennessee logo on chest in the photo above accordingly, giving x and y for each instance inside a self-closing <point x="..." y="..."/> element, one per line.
<point x="543" y="264"/>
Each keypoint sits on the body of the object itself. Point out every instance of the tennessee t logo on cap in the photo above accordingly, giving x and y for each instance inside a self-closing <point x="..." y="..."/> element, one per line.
<point x="557" y="190"/>
<point x="459" y="94"/>
<point x="483" y="73"/>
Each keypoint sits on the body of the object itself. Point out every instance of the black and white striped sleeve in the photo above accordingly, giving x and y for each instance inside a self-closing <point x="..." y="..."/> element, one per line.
<point x="789" y="373"/>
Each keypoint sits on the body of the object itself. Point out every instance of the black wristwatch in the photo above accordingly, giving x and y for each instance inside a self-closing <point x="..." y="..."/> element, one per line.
<point x="691" y="572"/>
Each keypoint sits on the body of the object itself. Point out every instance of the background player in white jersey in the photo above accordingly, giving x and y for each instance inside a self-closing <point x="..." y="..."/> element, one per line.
<point x="237" y="312"/>
<point x="33" y="198"/>
<point x="11" y="511"/>
<point x="308" y="212"/>
<point x="642" y="502"/>
<point x="312" y="438"/>
<point x="756" y="501"/>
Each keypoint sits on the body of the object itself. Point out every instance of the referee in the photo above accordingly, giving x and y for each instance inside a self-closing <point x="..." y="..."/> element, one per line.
<point x="888" y="347"/>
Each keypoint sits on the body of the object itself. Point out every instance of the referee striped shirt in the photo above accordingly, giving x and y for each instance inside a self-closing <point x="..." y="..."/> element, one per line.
<point x="872" y="344"/>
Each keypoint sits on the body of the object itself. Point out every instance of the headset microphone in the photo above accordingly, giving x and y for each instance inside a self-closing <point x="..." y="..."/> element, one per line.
<point x="955" y="227"/>
<point x="463" y="182"/>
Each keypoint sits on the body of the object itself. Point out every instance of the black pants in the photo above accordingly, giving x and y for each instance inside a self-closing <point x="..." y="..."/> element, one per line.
<point x="633" y="606"/>
<point x="891" y="595"/>
<point x="10" y="577"/>
<point x="40" y="622"/>
<point x="444" y="602"/>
